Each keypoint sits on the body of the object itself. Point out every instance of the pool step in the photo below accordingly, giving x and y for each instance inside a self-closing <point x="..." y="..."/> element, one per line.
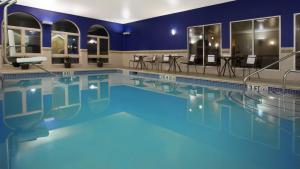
<point x="265" y="103"/>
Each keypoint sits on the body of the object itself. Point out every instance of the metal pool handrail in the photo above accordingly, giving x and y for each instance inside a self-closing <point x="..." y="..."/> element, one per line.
<point x="285" y="77"/>
<point x="266" y="67"/>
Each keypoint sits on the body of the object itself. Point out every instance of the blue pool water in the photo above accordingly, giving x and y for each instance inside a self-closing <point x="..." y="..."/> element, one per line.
<point x="118" y="122"/>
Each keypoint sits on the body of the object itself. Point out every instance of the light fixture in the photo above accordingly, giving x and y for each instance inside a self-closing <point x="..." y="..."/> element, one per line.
<point x="272" y="43"/>
<point x="92" y="41"/>
<point x="217" y="45"/>
<point x="126" y="13"/>
<point x="190" y="110"/>
<point x="126" y="33"/>
<point x="200" y="37"/>
<point x="212" y="38"/>
<point x="173" y="32"/>
<point x="209" y="44"/>
<point x="200" y="107"/>
<point x="192" y="41"/>
<point x="47" y="23"/>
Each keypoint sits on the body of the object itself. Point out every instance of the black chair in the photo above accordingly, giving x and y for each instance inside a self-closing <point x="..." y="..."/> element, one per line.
<point x="136" y="59"/>
<point x="191" y="61"/>
<point x="250" y="63"/>
<point x="212" y="59"/>
<point x="166" y="59"/>
<point x="153" y="62"/>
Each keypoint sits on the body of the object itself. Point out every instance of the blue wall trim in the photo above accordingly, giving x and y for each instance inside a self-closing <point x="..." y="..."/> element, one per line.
<point x="157" y="30"/>
<point x="154" y="33"/>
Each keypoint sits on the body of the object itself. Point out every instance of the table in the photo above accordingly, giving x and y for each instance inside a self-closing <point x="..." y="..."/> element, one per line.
<point x="227" y="65"/>
<point x="141" y="63"/>
<point x="174" y="63"/>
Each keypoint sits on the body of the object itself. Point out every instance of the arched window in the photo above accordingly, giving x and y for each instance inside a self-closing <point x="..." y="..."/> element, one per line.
<point x="24" y="32"/>
<point x="97" y="43"/>
<point x="65" y="41"/>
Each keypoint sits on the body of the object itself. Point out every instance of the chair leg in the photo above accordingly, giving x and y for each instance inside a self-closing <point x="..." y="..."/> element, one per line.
<point x="204" y="69"/>
<point x="196" y="68"/>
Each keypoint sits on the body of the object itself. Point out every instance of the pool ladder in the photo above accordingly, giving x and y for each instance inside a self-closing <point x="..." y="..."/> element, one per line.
<point x="270" y="65"/>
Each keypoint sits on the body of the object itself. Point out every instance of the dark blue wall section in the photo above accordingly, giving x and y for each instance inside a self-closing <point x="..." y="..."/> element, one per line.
<point x="115" y="29"/>
<point x="154" y="33"/>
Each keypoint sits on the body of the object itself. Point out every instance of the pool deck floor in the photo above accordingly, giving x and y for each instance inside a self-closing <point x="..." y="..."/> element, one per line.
<point x="254" y="81"/>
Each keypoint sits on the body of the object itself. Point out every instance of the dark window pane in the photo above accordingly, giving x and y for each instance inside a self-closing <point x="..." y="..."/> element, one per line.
<point x="195" y="40"/>
<point x="14" y="42"/>
<point x="266" y="42"/>
<point x="23" y="20"/>
<point x="58" y="44"/>
<point x="212" y="42"/>
<point x="103" y="46"/>
<point x="92" y="46"/>
<point x="98" y="31"/>
<point x="32" y="42"/>
<point x="241" y="40"/>
<point x="72" y="44"/>
<point x="65" y="26"/>
<point x="298" y="41"/>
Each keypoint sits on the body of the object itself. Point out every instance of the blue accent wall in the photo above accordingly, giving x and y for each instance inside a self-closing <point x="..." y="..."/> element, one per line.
<point x="115" y="30"/>
<point x="154" y="33"/>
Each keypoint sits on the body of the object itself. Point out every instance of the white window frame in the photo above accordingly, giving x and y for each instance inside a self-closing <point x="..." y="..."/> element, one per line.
<point x="65" y="36"/>
<point x="98" y="55"/>
<point x="197" y="26"/>
<point x="253" y="37"/>
<point x="23" y="47"/>
<point x="295" y="38"/>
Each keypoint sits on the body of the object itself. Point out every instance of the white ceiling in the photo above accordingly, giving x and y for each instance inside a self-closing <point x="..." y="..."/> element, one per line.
<point x="120" y="11"/>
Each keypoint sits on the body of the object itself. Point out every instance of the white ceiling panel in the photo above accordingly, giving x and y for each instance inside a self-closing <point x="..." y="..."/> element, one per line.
<point x="120" y="11"/>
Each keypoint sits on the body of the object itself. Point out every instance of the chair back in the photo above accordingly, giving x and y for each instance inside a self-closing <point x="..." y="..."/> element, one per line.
<point x="166" y="58"/>
<point x="211" y="58"/>
<point x="154" y="58"/>
<point x="136" y="58"/>
<point x="192" y="58"/>
<point x="251" y="59"/>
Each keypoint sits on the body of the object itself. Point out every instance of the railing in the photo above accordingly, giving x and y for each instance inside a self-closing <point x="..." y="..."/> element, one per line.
<point x="285" y="77"/>
<point x="270" y="65"/>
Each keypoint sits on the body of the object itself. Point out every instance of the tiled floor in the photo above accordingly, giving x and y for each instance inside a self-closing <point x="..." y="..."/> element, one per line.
<point x="275" y="83"/>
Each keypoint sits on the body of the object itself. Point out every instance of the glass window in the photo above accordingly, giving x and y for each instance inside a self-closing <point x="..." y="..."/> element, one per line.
<point x="14" y="45"/>
<point x="65" y="26"/>
<point x="32" y="42"/>
<point x="98" y="31"/>
<point x="24" y="34"/>
<point x="103" y="46"/>
<point x="23" y="20"/>
<point x="298" y="41"/>
<point x="98" y="41"/>
<point x="92" y="46"/>
<point x="204" y="41"/>
<point x="258" y="37"/>
<point x="241" y="42"/>
<point x="58" y="44"/>
<point x="195" y="40"/>
<point x="65" y="39"/>
<point x="266" y="43"/>
<point x="212" y="42"/>
<point x="72" y="44"/>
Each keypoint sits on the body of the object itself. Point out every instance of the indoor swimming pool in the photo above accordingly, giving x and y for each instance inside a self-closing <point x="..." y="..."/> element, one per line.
<point x="116" y="121"/>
